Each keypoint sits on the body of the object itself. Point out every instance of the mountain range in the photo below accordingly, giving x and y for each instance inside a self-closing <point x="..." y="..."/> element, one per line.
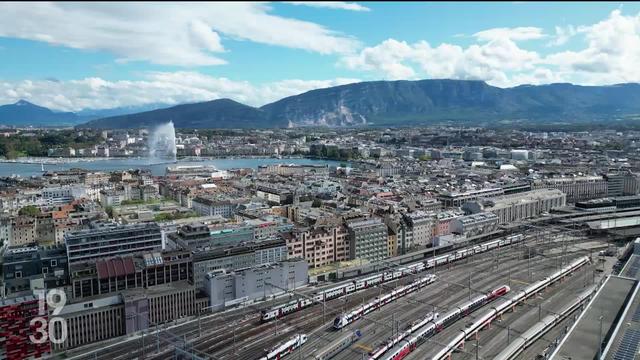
<point x="391" y="103"/>
<point x="24" y="113"/>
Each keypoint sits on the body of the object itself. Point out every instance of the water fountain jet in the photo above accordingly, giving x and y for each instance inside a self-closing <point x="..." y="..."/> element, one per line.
<point x="162" y="143"/>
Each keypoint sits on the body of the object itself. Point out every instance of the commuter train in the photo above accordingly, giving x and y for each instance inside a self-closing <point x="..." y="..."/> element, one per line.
<point x="521" y="295"/>
<point x="427" y="330"/>
<point x="372" y="280"/>
<point x="390" y="343"/>
<point x="346" y="319"/>
<point x="336" y="347"/>
<point x="287" y="347"/>
<point x="538" y="330"/>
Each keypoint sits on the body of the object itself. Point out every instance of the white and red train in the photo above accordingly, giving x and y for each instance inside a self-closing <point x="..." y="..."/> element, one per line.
<point x="339" y="291"/>
<point x="346" y="319"/>
<point x="497" y="310"/>
<point x="372" y="280"/>
<point x="435" y="326"/>
<point x="390" y="343"/>
<point x="287" y="347"/>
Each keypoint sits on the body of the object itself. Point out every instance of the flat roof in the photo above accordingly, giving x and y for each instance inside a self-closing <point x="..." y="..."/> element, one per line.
<point x="584" y="336"/>
<point x="622" y="345"/>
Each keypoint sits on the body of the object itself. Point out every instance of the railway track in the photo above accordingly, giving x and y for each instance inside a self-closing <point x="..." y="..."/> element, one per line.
<point x="217" y="342"/>
<point x="306" y="325"/>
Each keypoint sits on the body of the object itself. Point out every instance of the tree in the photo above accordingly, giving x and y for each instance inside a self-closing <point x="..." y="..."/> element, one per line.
<point x="29" y="210"/>
<point x="316" y="203"/>
<point x="109" y="211"/>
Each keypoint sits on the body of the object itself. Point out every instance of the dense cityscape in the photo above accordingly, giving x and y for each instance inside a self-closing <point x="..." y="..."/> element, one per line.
<point x="322" y="180"/>
<point x="176" y="259"/>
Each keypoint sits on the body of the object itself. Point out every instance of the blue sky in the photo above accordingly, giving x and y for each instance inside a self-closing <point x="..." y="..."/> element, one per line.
<point x="72" y="56"/>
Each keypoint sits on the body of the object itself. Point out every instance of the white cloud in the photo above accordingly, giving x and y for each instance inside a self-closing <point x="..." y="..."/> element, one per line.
<point x="394" y="59"/>
<point x="341" y="5"/>
<point x="515" y="34"/>
<point x="164" y="33"/>
<point x="156" y="87"/>
<point x="611" y="55"/>
<point x="563" y="34"/>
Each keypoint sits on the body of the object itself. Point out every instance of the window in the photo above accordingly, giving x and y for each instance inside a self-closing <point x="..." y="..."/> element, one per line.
<point x="54" y="263"/>
<point x="45" y="270"/>
<point x="18" y="274"/>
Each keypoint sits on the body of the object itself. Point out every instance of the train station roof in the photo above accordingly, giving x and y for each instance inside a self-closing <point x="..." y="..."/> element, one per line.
<point x="596" y="324"/>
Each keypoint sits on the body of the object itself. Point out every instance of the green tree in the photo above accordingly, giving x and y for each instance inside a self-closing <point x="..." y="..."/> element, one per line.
<point x="29" y="210"/>
<point x="109" y="211"/>
<point x="316" y="203"/>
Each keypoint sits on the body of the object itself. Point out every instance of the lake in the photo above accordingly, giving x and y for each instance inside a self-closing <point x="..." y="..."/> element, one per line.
<point x="26" y="170"/>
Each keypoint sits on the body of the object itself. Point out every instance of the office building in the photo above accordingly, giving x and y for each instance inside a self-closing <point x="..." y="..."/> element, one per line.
<point x="237" y="257"/>
<point x="368" y="240"/>
<point x="110" y="275"/>
<point x="576" y="188"/>
<point x="622" y="184"/>
<point x="473" y="225"/>
<point x="110" y="239"/>
<point x="230" y="287"/>
<point x="518" y="206"/>
<point x="32" y="267"/>
<point x="208" y="206"/>
<point x="455" y="199"/>
<point x="319" y="245"/>
<point x="419" y="228"/>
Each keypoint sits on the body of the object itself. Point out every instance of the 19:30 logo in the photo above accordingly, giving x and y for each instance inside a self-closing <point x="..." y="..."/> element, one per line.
<point x="55" y="299"/>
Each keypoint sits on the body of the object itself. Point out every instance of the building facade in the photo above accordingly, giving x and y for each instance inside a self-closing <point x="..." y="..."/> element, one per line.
<point x="576" y="189"/>
<point x="420" y="227"/>
<point x="519" y="206"/>
<point x="368" y="240"/>
<point x="319" y="245"/>
<point x="238" y="257"/>
<point x="476" y="224"/>
<point x="225" y="288"/>
<point x="104" y="240"/>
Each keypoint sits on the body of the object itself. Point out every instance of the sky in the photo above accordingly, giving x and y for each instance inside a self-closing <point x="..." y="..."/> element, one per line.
<point x="73" y="56"/>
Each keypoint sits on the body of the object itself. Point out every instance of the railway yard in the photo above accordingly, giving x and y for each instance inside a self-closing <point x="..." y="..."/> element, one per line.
<point x="240" y="333"/>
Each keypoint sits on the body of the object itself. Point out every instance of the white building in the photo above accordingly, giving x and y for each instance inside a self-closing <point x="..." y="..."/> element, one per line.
<point x="420" y="228"/>
<point x="519" y="206"/>
<point x="577" y="188"/>
<point x="63" y="194"/>
<point x="519" y="154"/>
<point x="476" y="224"/>
<point x="226" y="288"/>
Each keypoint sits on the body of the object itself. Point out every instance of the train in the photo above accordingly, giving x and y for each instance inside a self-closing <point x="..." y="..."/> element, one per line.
<point x="406" y="346"/>
<point x="390" y="343"/>
<point x="494" y="312"/>
<point x="538" y="330"/>
<point x="336" y="347"/>
<point x="346" y="319"/>
<point x="335" y="292"/>
<point x="287" y="347"/>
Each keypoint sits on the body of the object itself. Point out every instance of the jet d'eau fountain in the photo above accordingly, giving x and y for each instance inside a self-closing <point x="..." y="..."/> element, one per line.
<point x="162" y="143"/>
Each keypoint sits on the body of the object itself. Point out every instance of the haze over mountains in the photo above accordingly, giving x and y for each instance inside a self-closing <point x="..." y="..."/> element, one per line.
<point x="24" y="113"/>
<point x="390" y="103"/>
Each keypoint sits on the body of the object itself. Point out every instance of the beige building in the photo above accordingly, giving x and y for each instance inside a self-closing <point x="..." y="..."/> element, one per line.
<point x="519" y="206"/>
<point x="392" y="244"/>
<point x="24" y="231"/>
<point x="319" y="245"/>
<point x="576" y="188"/>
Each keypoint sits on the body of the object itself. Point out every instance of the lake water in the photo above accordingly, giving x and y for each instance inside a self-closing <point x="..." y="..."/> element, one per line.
<point x="26" y="170"/>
